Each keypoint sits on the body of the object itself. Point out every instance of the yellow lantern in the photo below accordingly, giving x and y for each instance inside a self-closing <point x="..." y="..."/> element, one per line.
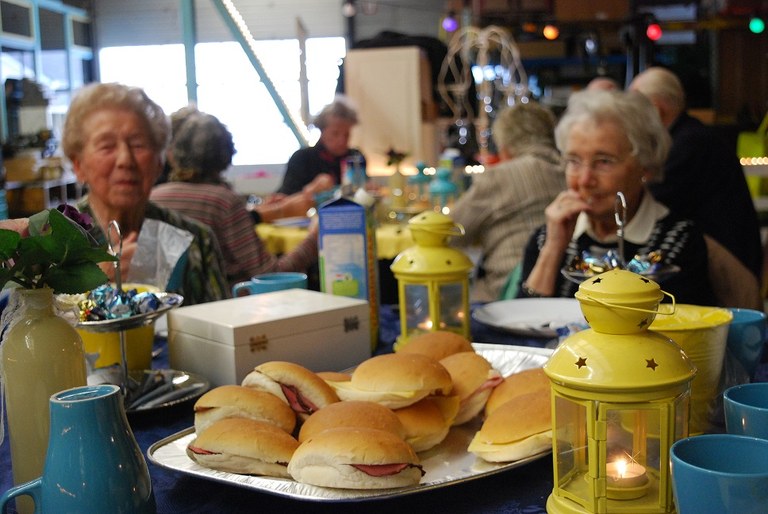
<point x="620" y="398"/>
<point x="432" y="279"/>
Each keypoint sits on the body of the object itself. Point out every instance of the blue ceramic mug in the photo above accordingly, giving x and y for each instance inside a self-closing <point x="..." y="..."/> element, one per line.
<point x="269" y="282"/>
<point x="746" y="338"/>
<point x="746" y="409"/>
<point x="720" y="474"/>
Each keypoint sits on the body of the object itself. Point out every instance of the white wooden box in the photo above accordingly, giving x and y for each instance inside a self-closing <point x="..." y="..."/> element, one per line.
<point x="225" y="340"/>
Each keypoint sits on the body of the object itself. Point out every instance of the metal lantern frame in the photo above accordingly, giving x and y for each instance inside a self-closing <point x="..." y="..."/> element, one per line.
<point x="619" y="402"/>
<point x="432" y="279"/>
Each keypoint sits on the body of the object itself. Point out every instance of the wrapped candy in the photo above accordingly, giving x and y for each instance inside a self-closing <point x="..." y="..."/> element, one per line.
<point x="106" y="303"/>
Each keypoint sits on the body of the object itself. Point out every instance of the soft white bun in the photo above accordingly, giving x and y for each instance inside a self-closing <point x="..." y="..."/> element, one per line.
<point x="244" y="446"/>
<point x="351" y="414"/>
<point x="519" y="428"/>
<point x="234" y="401"/>
<point x="428" y="421"/>
<point x="334" y="376"/>
<point x="519" y="383"/>
<point x="473" y="381"/>
<point x="299" y="387"/>
<point x="438" y="344"/>
<point x="337" y="457"/>
<point x="396" y="380"/>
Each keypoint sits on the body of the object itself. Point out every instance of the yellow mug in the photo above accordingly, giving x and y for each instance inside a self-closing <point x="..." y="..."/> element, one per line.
<point x="138" y="341"/>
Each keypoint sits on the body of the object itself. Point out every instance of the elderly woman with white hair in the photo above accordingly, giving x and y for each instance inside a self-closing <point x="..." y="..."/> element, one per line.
<point x="506" y="203"/>
<point x="613" y="142"/>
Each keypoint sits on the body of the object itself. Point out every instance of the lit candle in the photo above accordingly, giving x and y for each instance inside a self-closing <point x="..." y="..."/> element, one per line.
<point x="425" y="325"/>
<point x="623" y="474"/>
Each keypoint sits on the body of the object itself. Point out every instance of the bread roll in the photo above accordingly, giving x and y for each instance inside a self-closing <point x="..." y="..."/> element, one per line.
<point x="519" y="428"/>
<point x="296" y="385"/>
<point x="428" y="421"/>
<point x="396" y="380"/>
<point x="244" y="446"/>
<point x="438" y="344"/>
<point x="356" y="458"/>
<point x="351" y="414"/>
<point x="234" y="401"/>
<point x="473" y="381"/>
<point x="523" y="382"/>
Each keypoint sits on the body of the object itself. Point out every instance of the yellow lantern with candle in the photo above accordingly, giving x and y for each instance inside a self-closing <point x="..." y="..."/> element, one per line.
<point x="432" y="279"/>
<point x="620" y="398"/>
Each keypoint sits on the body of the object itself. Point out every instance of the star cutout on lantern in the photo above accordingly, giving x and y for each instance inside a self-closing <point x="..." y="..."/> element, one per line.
<point x="581" y="362"/>
<point x="651" y="363"/>
<point x="643" y="322"/>
<point x="597" y="280"/>
<point x="645" y="280"/>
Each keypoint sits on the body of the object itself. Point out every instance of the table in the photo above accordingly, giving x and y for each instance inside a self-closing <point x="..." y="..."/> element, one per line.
<point x="521" y="490"/>
<point x="391" y="238"/>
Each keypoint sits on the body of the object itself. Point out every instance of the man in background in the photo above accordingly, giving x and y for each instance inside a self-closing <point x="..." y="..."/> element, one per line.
<point x="703" y="179"/>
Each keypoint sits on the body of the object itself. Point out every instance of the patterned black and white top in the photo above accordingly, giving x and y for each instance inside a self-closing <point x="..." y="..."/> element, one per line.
<point x="654" y="228"/>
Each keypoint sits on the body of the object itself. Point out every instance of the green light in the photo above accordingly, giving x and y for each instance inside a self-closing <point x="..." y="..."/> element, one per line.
<point x="756" y="25"/>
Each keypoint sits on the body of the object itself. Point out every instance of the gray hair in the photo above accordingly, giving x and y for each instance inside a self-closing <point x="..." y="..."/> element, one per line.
<point x="524" y="126"/>
<point x="201" y="149"/>
<point x="340" y="108"/>
<point x="97" y="96"/>
<point x="631" y="111"/>
<point x="661" y="85"/>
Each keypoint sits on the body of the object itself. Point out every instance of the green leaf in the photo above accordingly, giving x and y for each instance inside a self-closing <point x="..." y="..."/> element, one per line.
<point x="9" y="241"/>
<point x="76" y="278"/>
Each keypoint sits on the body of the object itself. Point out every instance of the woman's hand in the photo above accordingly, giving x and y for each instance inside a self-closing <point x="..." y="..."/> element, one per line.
<point x="561" y="217"/>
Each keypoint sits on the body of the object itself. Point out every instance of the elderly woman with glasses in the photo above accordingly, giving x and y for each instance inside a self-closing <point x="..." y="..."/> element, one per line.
<point x="613" y="142"/>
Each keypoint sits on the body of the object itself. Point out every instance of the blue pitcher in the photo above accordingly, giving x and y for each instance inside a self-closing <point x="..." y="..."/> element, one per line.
<point x="93" y="464"/>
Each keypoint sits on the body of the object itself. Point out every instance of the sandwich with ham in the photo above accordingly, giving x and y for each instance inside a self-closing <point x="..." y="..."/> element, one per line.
<point x="351" y="414"/>
<point x="521" y="427"/>
<point x="356" y="458"/>
<point x="473" y="381"/>
<point x="299" y="387"/>
<point x="395" y="380"/>
<point x="516" y="384"/>
<point x="234" y="401"/>
<point x="244" y="446"/>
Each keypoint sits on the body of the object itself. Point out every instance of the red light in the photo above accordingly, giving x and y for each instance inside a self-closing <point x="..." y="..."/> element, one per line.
<point x="551" y="32"/>
<point x="653" y="32"/>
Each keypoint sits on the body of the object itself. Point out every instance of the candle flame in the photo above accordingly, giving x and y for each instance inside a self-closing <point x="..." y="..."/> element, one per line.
<point x="621" y="467"/>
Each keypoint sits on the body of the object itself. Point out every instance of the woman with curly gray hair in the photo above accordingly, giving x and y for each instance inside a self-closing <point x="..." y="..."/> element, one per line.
<point x="613" y="142"/>
<point x="115" y="136"/>
<point x="201" y="151"/>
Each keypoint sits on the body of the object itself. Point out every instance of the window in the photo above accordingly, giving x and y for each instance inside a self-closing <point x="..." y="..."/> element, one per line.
<point x="229" y="87"/>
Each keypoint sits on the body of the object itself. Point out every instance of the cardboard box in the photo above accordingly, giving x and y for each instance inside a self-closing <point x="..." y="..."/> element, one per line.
<point x="225" y="340"/>
<point x="347" y="256"/>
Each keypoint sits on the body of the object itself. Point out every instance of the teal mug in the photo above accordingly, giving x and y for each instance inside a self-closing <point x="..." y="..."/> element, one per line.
<point x="746" y="338"/>
<point x="93" y="463"/>
<point x="720" y="474"/>
<point x="269" y="282"/>
<point x="746" y="409"/>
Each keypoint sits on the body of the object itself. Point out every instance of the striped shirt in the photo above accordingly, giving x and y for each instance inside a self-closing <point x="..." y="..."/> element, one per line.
<point x="220" y="208"/>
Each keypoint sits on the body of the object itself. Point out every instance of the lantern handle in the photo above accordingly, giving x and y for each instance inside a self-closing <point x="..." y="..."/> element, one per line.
<point x="620" y="306"/>
<point x="457" y="229"/>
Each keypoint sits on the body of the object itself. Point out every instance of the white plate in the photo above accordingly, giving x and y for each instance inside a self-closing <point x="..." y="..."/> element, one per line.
<point x="530" y="317"/>
<point x="447" y="464"/>
<point x="296" y="221"/>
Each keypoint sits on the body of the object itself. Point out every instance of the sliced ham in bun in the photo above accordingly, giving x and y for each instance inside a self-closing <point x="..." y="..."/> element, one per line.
<point x="296" y="385"/>
<point x="244" y="446"/>
<point x="437" y="344"/>
<point x="396" y="380"/>
<point x="351" y="414"/>
<point x="520" y="428"/>
<point x="473" y="381"/>
<point x="234" y="401"/>
<point x="356" y="458"/>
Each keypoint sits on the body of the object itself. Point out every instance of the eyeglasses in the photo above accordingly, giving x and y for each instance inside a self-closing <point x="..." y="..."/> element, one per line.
<point x="600" y="164"/>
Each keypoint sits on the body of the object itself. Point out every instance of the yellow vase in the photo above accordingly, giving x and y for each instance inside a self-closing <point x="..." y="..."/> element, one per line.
<point x="42" y="354"/>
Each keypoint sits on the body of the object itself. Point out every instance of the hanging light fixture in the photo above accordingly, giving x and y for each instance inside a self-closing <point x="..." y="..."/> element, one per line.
<point x="450" y="23"/>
